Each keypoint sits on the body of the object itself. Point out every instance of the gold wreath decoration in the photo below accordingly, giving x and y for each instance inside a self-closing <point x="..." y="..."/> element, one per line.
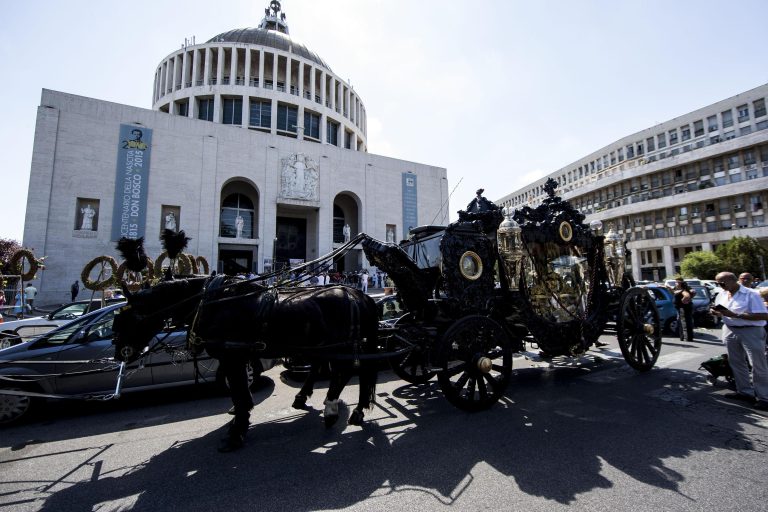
<point x="183" y="265"/>
<point x="85" y="277"/>
<point x="192" y="262"/>
<point x="146" y="274"/>
<point x="17" y="265"/>
<point x="202" y="263"/>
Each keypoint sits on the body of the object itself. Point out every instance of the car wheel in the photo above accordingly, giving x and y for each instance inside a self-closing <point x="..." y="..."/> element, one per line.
<point x="672" y="326"/>
<point x="14" y="407"/>
<point x="5" y="342"/>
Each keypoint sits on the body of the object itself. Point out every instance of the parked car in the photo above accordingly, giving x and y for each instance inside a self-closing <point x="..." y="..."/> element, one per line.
<point x="670" y="283"/>
<point x="702" y="301"/>
<point x="665" y="303"/>
<point x="711" y="284"/>
<point x="43" y="365"/>
<point x="17" y="331"/>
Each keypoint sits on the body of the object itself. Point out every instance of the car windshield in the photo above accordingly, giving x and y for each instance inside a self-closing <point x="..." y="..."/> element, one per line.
<point x="69" y="312"/>
<point x="657" y="294"/>
<point x="102" y="328"/>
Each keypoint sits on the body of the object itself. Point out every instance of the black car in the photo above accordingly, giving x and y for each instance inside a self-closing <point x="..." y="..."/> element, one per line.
<point x="76" y="360"/>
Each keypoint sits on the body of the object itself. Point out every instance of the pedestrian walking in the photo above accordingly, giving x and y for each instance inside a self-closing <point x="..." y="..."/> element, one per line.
<point x="74" y="290"/>
<point x="744" y="317"/>
<point x="684" y="305"/>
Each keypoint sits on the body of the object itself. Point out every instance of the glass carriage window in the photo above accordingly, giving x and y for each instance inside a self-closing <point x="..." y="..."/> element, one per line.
<point x="205" y="109"/>
<point x="287" y="117"/>
<point x="233" y="111"/>
<point x="261" y="114"/>
<point x="234" y="208"/>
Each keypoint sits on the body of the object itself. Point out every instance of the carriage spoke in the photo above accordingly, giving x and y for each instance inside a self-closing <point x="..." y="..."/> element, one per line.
<point x="497" y="368"/>
<point x="454" y="370"/>
<point x="492" y="382"/>
<point x="481" y="389"/>
<point x="461" y="381"/>
<point x="471" y="388"/>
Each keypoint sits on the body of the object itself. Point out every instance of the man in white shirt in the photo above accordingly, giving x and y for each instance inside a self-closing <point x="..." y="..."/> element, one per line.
<point x="29" y="293"/>
<point x="744" y="317"/>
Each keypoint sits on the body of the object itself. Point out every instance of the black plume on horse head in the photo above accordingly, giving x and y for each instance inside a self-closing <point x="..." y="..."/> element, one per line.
<point x="174" y="242"/>
<point x="133" y="253"/>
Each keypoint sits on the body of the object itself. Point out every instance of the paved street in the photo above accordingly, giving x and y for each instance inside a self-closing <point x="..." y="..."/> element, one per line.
<point x="586" y="434"/>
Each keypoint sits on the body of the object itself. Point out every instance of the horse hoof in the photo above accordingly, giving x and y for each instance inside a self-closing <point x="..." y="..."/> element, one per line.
<point x="299" y="402"/>
<point x="356" y="418"/>
<point x="330" y="421"/>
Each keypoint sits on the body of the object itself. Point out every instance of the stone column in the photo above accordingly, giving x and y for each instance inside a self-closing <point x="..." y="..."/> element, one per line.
<point x="195" y="66"/>
<point x="220" y="66"/>
<point x="288" y="75"/>
<point x="669" y="261"/>
<point x="261" y="68"/>
<point x="248" y="62"/>
<point x="233" y="67"/>
<point x="301" y="79"/>
<point x="635" y="258"/>
<point x="312" y="78"/>
<point x="275" y="60"/>
<point x="208" y="65"/>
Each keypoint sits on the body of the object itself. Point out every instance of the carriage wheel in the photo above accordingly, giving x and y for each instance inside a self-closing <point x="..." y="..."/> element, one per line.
<point x="639" y="329"/>
<point x="413" y="366"/>
<point x="476" y="363"/>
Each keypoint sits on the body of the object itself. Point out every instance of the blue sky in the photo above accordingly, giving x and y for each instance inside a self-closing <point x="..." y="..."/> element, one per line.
<point x="498" y="92"/>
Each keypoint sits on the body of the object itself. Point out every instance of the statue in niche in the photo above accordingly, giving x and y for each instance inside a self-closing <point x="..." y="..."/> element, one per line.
<point x="391" y="234"/>
<point x="88" y="215"/>
<point x="170" y="221"/>
<point x="299" y="178"/>
<point x="347" y="232"/>
<point x="239" y="222"/>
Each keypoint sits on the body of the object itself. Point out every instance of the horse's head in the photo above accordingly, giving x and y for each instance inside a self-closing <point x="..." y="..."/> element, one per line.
<point x="149" y="311"/>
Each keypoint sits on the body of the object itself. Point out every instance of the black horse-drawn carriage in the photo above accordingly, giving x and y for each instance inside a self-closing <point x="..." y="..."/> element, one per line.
<point x="479" y="289"/>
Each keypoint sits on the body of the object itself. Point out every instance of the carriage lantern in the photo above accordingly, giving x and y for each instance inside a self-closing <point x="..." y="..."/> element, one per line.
<point x="510" y="247"/>
<point x="614" y="254"/>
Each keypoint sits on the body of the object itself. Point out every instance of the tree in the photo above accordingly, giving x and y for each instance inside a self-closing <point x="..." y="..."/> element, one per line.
<point x="701" y="264"/>
<point x="743" y="254"/>
<point x="7" y="249"/>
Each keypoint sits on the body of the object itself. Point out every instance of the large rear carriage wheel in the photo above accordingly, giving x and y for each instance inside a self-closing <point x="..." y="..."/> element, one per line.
<point x="639" y="329"/>
<point x="475" y="361"/>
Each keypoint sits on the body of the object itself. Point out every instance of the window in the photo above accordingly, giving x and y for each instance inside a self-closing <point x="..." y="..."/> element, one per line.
<point x="672" y="137"/>
<point x="743" y="113"/>
<point x="639" y="149"/>
<point x="745" y="130"/>
<point x="205" y="109"/>
<point x="237" y="216"/>
<point x="348" y="141"/>
<point x="182" y="108"/>
<point x="759" y="107"/>
<point x="712" y="123"/>
<point x="685" y="132"/>
<point x="261" y="114"/>
<point x="311" y="125"/>
<point x="698" y="128"/>
<point x="729" y="135"/>
<point x="286" y="118"/>
<point x="630" y="151"/>
<point x="331" y="132"/>
<point x="756" y="202"/>
<point x="233" y="110"/>
<point x="621" y="154"/>
<point x="338" y="224"/>
<point x="727" y="118"/>
<point x="662" y="140"/>
<point x="649" y="144"/>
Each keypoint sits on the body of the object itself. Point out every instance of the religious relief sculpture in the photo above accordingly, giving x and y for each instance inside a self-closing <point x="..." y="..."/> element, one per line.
<point x="88" y="215"/>
<point x="170" y="221"/>
<point x="299" y="178"/>
<point x="239" y="226"/>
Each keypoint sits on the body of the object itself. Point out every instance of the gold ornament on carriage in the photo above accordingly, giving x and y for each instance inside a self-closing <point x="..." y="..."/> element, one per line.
<point x="470" y="265"/>
<point x="566" y="231"/>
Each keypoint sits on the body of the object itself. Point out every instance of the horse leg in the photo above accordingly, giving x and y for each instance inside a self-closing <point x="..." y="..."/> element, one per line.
<point x="236" y="373"/>
<point x="339" y="378"/>
<point x="367" y="394"/>
<point x="300" y="400"/>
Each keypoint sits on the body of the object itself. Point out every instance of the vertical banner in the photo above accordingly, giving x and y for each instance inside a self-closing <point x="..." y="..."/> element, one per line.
<point x="129" y="216"/>
<point x="410" y="210"/>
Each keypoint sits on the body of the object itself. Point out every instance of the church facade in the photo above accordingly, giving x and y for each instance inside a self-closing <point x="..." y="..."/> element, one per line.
<point x="253" y="147"/>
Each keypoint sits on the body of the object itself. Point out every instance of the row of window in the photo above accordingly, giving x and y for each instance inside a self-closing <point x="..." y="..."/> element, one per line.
<point x="674" y="137"/>
<point x="168" y="72"/>
<point x="260" y="116"/>
<point x="721" y="170"/>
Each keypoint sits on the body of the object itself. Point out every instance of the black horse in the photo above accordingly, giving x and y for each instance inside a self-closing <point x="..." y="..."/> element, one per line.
<point x="235" y="320"/>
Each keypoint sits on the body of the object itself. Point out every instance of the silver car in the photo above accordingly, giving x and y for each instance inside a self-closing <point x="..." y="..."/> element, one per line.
<point x="75" y="360"/>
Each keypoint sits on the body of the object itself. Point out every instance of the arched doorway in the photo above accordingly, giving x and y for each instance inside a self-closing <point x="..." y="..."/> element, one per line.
<point x="238" y="228"/>
<point x="346" y="212"/>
